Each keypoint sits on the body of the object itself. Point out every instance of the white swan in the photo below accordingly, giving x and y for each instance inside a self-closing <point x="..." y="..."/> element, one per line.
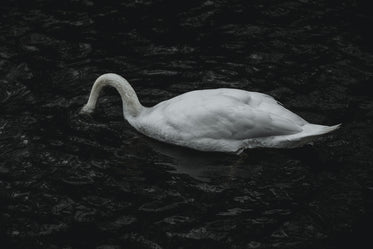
<point x="225" y="120"/>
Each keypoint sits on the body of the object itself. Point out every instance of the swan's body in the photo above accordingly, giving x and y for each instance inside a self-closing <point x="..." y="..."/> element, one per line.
<point x="226" y="120"/>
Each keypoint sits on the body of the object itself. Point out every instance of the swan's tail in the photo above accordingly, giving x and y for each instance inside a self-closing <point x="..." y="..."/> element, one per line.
<point x="309" y="133"/>
<point x="311" y="130"/>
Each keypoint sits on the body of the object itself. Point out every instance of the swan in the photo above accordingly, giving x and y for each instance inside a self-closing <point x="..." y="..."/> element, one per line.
<point x="221" y="120"/>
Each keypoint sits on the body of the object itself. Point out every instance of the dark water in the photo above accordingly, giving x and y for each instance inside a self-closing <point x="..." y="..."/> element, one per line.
<point x="71" y="181"/>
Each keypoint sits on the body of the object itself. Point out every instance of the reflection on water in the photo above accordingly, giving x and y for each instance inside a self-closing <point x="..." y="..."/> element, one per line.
<point x="206" y="165"/>
<point x="80" y="181"/>
<point x="199" y="165"/>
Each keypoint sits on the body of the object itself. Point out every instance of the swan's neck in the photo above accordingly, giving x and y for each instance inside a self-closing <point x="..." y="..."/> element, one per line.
<point x="131" y="104"/>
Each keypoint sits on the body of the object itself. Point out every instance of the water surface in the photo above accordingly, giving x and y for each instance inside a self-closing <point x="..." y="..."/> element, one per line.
<point x="72" y="181"/>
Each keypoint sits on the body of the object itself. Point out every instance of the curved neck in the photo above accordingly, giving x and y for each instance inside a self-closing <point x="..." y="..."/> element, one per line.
<point x="131" y="104"/>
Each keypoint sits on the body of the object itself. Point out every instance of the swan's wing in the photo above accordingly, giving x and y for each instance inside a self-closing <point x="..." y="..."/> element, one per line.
<point x="223" y="117"/>
<point x="269" y="104"/>
<point x="263" y="102"/>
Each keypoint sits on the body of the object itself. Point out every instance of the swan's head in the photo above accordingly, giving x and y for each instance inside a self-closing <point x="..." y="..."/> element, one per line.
<point x="87" y="109"/>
